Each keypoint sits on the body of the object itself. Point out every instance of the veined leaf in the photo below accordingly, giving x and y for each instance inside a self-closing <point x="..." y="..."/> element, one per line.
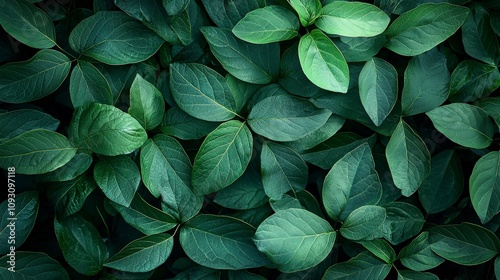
<point x="381" y="249"/>
<point x="307" y="10"/>
<point x="403" y="222"/>
<point x="146" y="103"/>
<point x="418" y="255"/>
<point x="72" y="169"/>
<point x="364" y="223"/>
<point x="175" y="7"/>
<point x="87" y="85"/>
<point x="226" y="14"/>
<point x="329" y="129"/>
<point x="492" y="107"/>
<point x="363" y="266"/>
<point x="33" y="265"/>
<point x="68" y="197"/>
<point x="184" y="126"/>
<point x="358" y="49"/>
<point x="484" y="186"/>
<point x="16" y="122"/>
<point x="472" y="80"/>
<point x="410" y="274"/>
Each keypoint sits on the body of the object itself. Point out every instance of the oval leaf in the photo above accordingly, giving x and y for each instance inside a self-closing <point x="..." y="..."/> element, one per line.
<point x="184" y="126"/>
<point x="68" y="197"/>
<point x="33" y="265"/>
<point x="484" y="186"/>
<point x="146" y="103"/>
<point x="16" y="122"/>
<point x="87" y="85"/>
<point x="403" y="222"/>
<point x="364" y="223"/>
<point x="418" y="255"/>
<point x="308" y="10"/>
<point x="363" y="266"/>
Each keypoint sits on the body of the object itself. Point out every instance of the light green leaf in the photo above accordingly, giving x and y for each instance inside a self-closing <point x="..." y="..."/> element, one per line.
<point x="308" y="10"/>
<point x="286" y="118"/>
<point x="114" y="38"/>
<point x="364" y="223"/>
<point x="68" y="197"/>
<point x="381" y="249"/>
<point x="358" y="49"/>
<point x="484" y="186"/>
<point x="87" y="85"/>
<point x="222" y="158"/>
<point x="472" y="79"/>
<point x="424" y="27"/>
<point x="267" y="25"/>
<point x="16" y="122"/>
<point x="257" y="64"/>
<point x="36" y="151"/>
<point x="295" y="239"/>
<point x="378" y="89"/>
<point x="464" y="124"/>
<point x="143" y="254"/>
<point x="81" y="244"/>
<point x="221" y="242"/>
<point x="363" y="266"/>
<point x="408" y="159"/>
<point x="410" y="275"/>
<point x="27" y="23"/>
<point x="23" y="216"/>
<point x="166" y="171"/>
<point x="322" y="62"/>
<point x="352" y="19"/>
<point x="226" y="14"/>
<point x="201" y="92"/>
<point x="33" y="79"/>
<point x="426" y="83"/>
<point x="105" y="130"/>
<point x="418" y="255"/>
<point x="465" y="244"/>
<point x="184" y="126"/>
<point x="282" y="170"/>
<point x="146" y="103"/>
<point x="32" y="265"/>
<point x="403" y="222"/>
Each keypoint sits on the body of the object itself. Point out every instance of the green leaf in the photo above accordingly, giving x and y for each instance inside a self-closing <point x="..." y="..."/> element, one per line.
<point x="497" y="267"/>
<point x="68" y="197"/>
<point x="426" y="83"/>
<point x="267" y="25"/>
<point x="105" y="130"/>
<point x="465" y="244"/>
<point x="378" y="89"/>
<point x="33" y="79"/>
<point x="409" y="274"/>
<point x="143" y="254"/>
<point x="242" y="91"/>
<point x="352" y="19"/>
<point x="184" y="126"/>
<point x="114" y="38"/>
<point x="363" y="266"/>
<point x="424" y="27"/>
<point x="464" y="124"/>
<point x="72" y="169"/>
<point x="33" y="265"/>
<point x="87" y="85"/>
<point x="118" y="177"/>
<point x="23" y="217"/>
<point x="295" y="239"/>
<point x="418" y="255"/>
<point x="36" y="151"/>
<point x="81" y="244"/>
<point x="403" y="222"/>
<point x="201" y="92"/>
<point x="358" y="49"/>
<point x="307" y="10"/>
<point x="16" y="122"/>
<point x="444" y="184"/>
<point x="282" y="170"/>
<point x="330" y="128"/>
<point x="364" y="223"/>
<point x="27" y="23"/>
<point x="285" y="202"/>
<point x="408" y="159"/>
<point x="381" y="249"/>
<point x="484" y="186"/>
<point x="146" y="103"/>
<point x="145" y="217"/>
<point x="175" y="7"/>
<point x="322" y="62"/>
<point x="199" y="273"/>
<point x="492" y="107"/>
<point x="243" y="275"/>
<point x="220" y="242"/>
<point x="222" y="158"/>
<point x="472" y="80"/>
<point x="286" y="118"/>
<point x="257" y="64"/>
<point x="226" y="14"/>
<point x="166" y="171"/>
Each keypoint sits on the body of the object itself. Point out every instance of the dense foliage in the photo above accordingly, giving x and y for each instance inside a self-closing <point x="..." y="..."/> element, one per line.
<point x="250" y="139"/>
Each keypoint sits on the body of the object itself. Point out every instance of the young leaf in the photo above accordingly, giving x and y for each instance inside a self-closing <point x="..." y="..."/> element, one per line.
<point x="378" y="89"/>
<point x="68" y="197"/>
<point x="472" y="80"/>
<point x="221" y="242"/>
<point x="33" y="265"/>
<point x="364" y="223"/>
<point x="33" y="79"/>
<point x="36" y="151"/>
<point x="464" y="124"/>
<point x="222" y="158"/>
<point x="16" y="122"/>
<point x="381" y="249"/>
<point x="184" y="126"/>
<point x="307" y="10"/>
<point x="226" y="14"/>
<point x="363" y="266"/>
<point x="484" y="186"/>
<point x="426" y="83"/>
<point x="201" y="92"/>
<point x="465" y="244"/>
<point x="352" y="19"/>
<point x="81" y="244"/>
<point x="408" y="159"/>
<point x="424" y="27"/>
<point x="146" y="103"/>
<point x="267" y="25"/>
<point x="403" y="222"/>
<point x="87" y="85"/>
<point x="286" y="118"/>
<point x="27" y="23"/>
<point x="322" y="62"/>
<point x="418" y="255"/>
<point x="105" y="130"/>
<point x="114" y="38"/>
<point x="295" y="239"/>
<point x="143" y="254"/>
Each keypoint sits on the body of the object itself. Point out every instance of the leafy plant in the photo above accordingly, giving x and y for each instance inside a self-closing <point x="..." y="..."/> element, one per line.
<point x="214" y="139"/>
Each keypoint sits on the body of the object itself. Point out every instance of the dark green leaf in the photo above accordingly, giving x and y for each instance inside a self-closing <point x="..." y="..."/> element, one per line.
<point x="410" y="275"/>
<point x="72" y="169"/>
<point x="184" y="126"/>
<point x="243" y="275"/>
<point x="357" y="49"/>
<point x="87" y="85"/>
<point x="330" y="128"/>
<point x="198" y="273"/>
<point x="472" y="80"/>
<point x="16" y="122"/>
<point x="492" y="107"/>
<point x="381" y="249"/>
<point x="226" y="14"/>
<point x="363" y="266"/>
<point x="174" y="7"/>
<point x="308" y="10"/>
<point x="33" y="265"/>
<point x="418" y="255"/>
<point x="146" y="103"/>
<point x="68" y="197"/>
<point x="484" y="186"/>
<point x="285" y="202"/>
<point x="364" y="223"/>
<point x="403" y="222"/>
<point x="242" y="91"/>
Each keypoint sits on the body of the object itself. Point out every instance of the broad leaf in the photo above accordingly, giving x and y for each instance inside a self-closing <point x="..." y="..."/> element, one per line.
<point x="174" y="7"/>
<point x="295" y="239"/>
<point x="222" y="158"/>
<point x="33" y="265"/>
<point x="68" y="197"/>
<point x="424" y="27"/>
<point x="472" y="79"/>
<point x="72" y="169"/>
<point x="16" y="122"/>
<point x="418" y="255"/>
<point x="403" y="222"/>
<point x="322" y="62"/>
<point x="484" y="186"/>
<point x="492" y="107"/>
<point x="32" y="79"/>
<point x="87" y="85"/>
<point x="330" y="128"/>
<point x="106" y="130"/>
<point x="226" y="14"/>
<point x="221" y="242"/>
<point x="464" y="124"/>
<point x="364" y="223"/>
<point x="184" y="126"/>
<point x="381" y="249"/>
<point x="363" y="266"/>
<point x="146" y="103"/>
<point x="409" y="274"/>
<point x="358" y="49"/>
<point x="307" y="10"/>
